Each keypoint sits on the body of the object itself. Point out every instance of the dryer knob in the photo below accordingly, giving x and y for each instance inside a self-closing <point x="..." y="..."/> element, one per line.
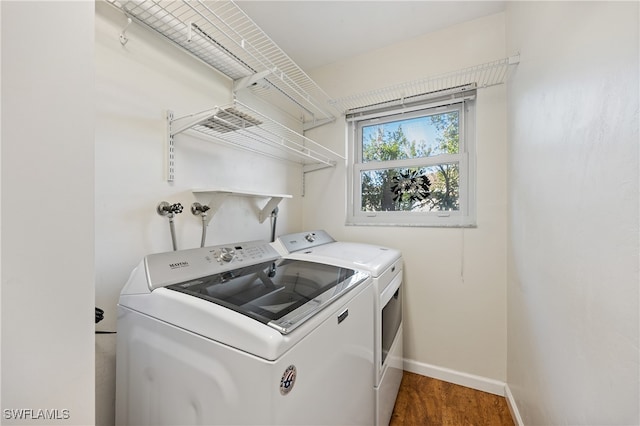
<point x="310" y="237"/>
<point x="226" y="254"/>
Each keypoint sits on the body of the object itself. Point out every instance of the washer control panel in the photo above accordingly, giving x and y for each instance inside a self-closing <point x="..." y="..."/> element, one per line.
<point x="225" y="254"/>
<point x="176" y="266"/>
<point x="246" y="252"/>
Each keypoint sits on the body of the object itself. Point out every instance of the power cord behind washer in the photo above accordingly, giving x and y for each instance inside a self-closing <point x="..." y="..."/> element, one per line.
<point x="100" y="317"/>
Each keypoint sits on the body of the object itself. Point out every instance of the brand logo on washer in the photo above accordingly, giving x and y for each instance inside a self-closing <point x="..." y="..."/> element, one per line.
<point x="177" y="265"/>
<point x="288" y="380"/>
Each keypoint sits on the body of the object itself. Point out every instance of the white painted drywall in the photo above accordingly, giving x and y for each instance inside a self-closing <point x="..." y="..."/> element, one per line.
<point x="47" y="213"/>
<point x="135" y="85"/>
<point x="573" y="278"/>
<point x="455" y="279"/>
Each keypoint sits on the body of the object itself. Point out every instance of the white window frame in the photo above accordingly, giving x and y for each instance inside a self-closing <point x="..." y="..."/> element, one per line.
<point x="465" y="158"/>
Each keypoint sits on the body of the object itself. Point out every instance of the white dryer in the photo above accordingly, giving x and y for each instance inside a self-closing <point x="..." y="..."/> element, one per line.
<point x="385" y="266"/>
<point x="215" y="335"/>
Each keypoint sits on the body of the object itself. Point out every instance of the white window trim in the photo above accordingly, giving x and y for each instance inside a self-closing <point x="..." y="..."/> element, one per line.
<point x="465" y="217"/>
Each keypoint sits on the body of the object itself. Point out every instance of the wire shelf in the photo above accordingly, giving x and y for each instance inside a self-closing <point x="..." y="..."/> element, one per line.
<point x="244" y="127"/>
<point x="221" y="35"/>
<point x="485" y="75"/>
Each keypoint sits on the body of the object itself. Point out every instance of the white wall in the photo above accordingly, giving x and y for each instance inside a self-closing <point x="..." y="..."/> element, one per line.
<point x="135" y="84"/>
<point x="47" y="212"/>
<point x="573" y="297"/>
<point x="573" y="258"/>
<point x="455" y="279"/>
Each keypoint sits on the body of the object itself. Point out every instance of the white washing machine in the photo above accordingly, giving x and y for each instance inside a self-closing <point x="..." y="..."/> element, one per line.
<point x="385" y="266"/>
<point x="216" y="335"/>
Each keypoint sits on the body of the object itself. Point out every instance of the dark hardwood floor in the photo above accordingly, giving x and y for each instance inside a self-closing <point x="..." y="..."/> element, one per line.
<point x="426" y="401"/>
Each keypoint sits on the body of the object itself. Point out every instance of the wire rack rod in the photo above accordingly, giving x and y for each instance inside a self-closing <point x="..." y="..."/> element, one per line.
<point x="484" y="75"/>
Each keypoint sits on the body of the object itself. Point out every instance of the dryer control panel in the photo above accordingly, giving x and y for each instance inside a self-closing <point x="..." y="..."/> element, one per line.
<point x="304" y="240"/>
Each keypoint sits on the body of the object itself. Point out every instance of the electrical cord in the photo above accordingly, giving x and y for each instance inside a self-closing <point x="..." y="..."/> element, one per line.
<point x="100" y="317"/>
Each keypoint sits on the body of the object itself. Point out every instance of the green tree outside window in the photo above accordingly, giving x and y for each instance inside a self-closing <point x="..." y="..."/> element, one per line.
<point x="432" y="188"/>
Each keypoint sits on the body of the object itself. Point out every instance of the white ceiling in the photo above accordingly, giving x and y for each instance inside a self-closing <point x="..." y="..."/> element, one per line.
<point x="316" y="33"/>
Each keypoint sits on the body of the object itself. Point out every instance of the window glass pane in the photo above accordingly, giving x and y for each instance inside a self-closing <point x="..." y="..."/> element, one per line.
<point x="411" y="138"/>
<point x="424" y="189"/>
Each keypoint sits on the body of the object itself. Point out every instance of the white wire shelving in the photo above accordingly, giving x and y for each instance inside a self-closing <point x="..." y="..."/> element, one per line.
<point x="221" y="35"/>
<point x="244" y="127"/>
<point x="484" y="75"/>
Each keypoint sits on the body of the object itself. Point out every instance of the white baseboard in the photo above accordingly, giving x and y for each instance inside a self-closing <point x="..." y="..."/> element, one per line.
<point x="513" y="407"/>
<point x="480" y="383"/>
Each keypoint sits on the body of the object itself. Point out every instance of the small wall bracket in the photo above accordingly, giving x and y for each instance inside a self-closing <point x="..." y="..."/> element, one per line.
<point x="123" y="36"/>
<point x="218" y="196"/>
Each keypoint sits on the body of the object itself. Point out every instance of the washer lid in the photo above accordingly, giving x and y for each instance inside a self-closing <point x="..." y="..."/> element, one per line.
<point x="282" y="297"/>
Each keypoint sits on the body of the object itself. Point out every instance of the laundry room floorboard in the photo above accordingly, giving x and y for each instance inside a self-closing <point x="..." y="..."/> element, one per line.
<point x="426" y="401"/>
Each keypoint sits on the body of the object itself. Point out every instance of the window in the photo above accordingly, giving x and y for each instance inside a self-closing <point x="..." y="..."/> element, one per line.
<point x="413" y="166"/>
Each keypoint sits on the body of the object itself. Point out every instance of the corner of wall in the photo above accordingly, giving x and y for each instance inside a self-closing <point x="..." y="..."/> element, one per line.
<point x="513" y="407"/>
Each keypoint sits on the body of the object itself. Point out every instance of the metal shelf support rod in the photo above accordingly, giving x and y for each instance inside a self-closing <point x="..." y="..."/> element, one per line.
<point x="183" y="123"/>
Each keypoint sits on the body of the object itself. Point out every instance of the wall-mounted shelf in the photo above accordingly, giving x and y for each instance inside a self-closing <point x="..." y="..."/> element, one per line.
<point x="218" y="196"/>
<point x="484" y="75"/>
<point x="221" y="35"/>
<point x="244" y="127"/>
